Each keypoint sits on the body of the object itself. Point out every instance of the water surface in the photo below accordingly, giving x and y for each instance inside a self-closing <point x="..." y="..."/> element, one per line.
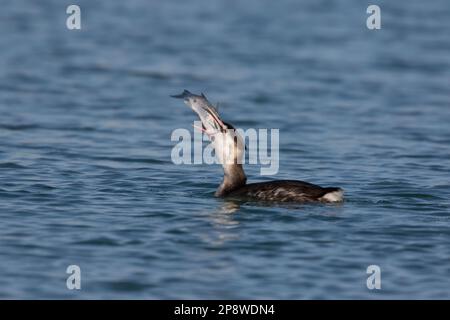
<point x="86" y="176"/>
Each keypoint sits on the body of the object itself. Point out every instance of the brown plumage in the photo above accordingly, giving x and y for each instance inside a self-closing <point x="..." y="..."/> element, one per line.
<point x="283" y="191"/>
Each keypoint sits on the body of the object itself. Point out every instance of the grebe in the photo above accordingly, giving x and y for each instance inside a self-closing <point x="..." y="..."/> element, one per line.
<point x="229" y="149"/>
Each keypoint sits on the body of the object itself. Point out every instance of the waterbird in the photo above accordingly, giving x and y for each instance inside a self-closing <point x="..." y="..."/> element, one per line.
<point x="229" y="149"/>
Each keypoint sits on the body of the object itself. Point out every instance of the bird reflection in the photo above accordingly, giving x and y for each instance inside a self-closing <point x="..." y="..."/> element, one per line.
<point x="224" y="222"/>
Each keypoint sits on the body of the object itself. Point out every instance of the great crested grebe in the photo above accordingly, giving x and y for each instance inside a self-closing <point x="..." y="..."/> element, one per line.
<point x="229" y="149"/>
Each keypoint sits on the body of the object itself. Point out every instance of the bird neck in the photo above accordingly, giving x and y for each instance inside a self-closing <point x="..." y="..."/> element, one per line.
<point x="233" y="178"/>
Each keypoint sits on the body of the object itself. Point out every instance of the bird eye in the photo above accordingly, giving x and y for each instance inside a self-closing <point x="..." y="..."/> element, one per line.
<point x="195" y="100"/>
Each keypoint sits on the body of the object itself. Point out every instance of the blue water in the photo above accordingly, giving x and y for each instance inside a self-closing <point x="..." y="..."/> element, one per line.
<point x="86" y="176"/>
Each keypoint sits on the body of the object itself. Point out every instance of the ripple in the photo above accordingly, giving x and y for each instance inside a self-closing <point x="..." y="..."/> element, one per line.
<point x="100" y="241"/>
<point x="11" y="165"/>
<point x="125" y="286"/>
<point x="19" y="127"/>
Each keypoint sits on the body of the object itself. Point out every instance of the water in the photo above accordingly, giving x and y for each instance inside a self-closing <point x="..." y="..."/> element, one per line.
<point x="86" y="176"/>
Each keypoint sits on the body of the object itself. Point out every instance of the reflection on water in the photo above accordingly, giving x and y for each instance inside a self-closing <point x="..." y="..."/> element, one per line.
<point x="224" y="223"/>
